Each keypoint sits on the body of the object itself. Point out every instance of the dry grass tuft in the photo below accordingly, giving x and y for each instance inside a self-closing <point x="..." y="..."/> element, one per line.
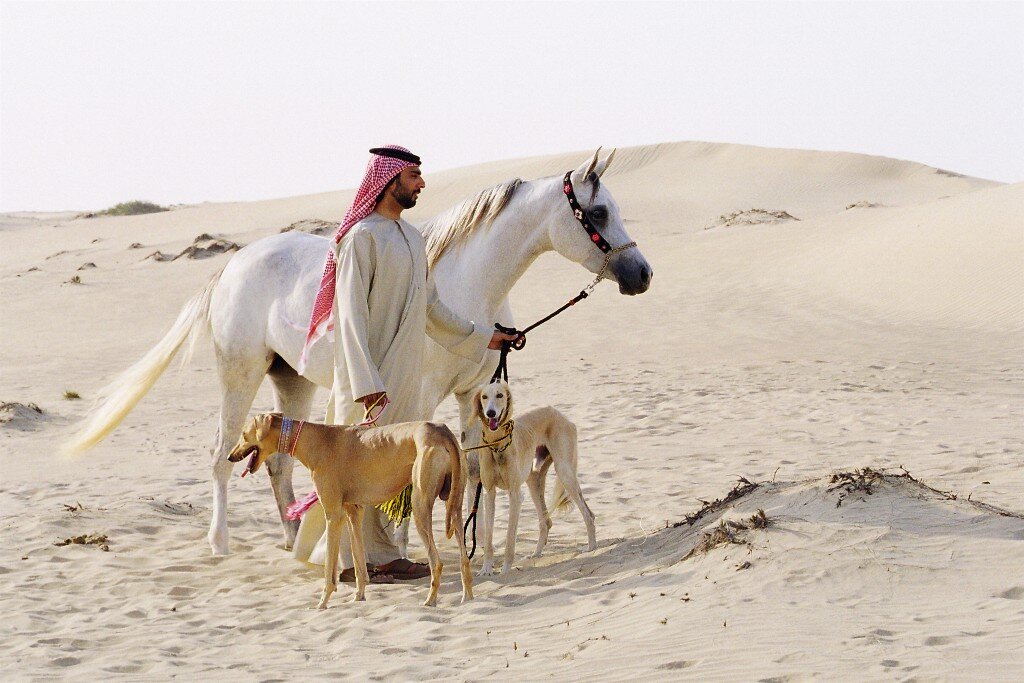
<point x="856" y="481"/>
<point x="743" y="487"/>
<point x="100" y="540"/>
<point x="729" y="532"/>
<point x="70" y="395"/>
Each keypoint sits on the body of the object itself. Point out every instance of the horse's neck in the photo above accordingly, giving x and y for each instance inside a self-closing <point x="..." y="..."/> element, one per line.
<point x="488" y="264"/>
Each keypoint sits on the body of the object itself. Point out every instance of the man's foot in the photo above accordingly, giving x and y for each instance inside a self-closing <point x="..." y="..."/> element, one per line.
<point x="404" y="570"/>
<point x="349" y="575"/>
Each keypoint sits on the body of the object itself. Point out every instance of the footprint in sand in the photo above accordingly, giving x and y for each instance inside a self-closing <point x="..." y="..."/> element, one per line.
<point x="1015" y="593"/>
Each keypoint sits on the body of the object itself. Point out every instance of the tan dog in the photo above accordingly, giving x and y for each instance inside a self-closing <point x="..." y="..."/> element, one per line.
<point x="521" y="451"/>
<point x="353" y="467"/>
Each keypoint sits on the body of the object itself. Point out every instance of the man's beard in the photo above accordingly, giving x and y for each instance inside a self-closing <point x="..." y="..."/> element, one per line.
<point x="405" y="198"/>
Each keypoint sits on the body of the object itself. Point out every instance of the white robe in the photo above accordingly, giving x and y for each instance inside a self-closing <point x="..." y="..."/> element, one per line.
<point x="385" y="304"/>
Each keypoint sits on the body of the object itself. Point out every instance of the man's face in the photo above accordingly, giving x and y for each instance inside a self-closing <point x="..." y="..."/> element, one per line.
<point x="407" y="186"/>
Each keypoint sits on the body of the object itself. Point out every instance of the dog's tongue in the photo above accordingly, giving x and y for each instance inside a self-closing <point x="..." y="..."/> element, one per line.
<point x="492" y="423"/>
<point x="250" y="463"/>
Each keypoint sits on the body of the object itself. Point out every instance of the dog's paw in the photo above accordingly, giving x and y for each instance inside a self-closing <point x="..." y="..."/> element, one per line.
<point x="486" y="571"/>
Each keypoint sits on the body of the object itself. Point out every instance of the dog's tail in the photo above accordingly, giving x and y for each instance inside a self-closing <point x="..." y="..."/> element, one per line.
<point x="559" y="500"/>
<point x="453" y="506"/>
<point x="119" y="397"/>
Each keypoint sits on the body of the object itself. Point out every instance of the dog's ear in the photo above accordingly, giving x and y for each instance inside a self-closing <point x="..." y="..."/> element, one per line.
<point x="478" y="406"/>
<point x="507" y="413"/>
<point x="263" y="424"/>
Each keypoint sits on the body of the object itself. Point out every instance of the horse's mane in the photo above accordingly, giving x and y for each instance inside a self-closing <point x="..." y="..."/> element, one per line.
<point x="463" y="219"/>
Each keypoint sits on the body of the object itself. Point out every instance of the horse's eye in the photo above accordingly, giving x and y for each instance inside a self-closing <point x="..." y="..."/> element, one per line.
<point x="599" y="213"/>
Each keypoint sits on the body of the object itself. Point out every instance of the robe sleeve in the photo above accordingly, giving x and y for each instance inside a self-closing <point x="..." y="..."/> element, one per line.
<point x="462" y="337"/>
<point x="357" y="263"/>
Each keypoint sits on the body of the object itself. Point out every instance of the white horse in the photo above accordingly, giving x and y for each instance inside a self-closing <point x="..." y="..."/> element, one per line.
<point x="477" y="251"/>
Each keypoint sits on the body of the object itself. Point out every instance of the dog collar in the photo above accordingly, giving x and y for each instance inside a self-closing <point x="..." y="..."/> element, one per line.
<point x="288" y="426"/>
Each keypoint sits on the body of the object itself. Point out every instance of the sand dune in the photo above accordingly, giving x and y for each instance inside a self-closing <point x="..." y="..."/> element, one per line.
<point x="881" y="329"/>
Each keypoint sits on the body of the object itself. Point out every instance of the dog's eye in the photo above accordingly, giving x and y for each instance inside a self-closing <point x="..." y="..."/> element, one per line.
<point x="501" y="395"/>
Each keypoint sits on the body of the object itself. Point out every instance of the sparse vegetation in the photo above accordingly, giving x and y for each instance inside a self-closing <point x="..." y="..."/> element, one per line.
<point x="100" y="540"/>
<point x="729" y="532"/>
<point x="742" y="488"/>
<point x="70" y="395"/>
<point x="76" y="280"/>
<point x="133" y="208"/>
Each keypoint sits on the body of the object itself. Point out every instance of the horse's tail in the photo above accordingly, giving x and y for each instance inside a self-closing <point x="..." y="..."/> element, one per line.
<point x="453" y="506"/>
<point x="119" y="397"/>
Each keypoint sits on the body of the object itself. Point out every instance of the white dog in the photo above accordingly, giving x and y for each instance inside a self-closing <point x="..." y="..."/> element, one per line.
<point x="520" y="451"/>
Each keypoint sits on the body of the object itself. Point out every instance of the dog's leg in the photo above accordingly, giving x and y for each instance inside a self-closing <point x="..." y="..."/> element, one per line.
<point x="515" y="504"/>
<point x="335" y="518"/>
<point x="487" y="531"/>
<point x="422" y="511"/>
<point x="536" y="484"/>
<point x="239" y="380"/>
<point x="567" y="475"/>
<point x="293" y="397"/>
<point x="355" y="530"/>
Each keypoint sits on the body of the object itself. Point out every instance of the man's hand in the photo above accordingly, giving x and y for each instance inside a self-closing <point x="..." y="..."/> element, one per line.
<point x="499" y="337"/>
<point x="370" y="399"/>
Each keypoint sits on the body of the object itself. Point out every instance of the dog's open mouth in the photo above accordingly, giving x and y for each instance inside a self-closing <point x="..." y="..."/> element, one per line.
<point x="492" y="423"/>
<point x="250" y="465"/>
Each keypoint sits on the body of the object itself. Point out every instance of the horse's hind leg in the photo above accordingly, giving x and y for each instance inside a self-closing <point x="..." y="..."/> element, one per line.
<point x="293" y="397"/>
<point x="239" y="381"/>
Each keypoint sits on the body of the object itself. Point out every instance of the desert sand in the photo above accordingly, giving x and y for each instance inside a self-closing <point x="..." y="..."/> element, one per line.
<point x="811" y="314"/>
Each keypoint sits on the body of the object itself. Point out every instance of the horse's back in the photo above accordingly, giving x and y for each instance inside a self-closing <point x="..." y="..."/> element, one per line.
<point x="267" y="288"/>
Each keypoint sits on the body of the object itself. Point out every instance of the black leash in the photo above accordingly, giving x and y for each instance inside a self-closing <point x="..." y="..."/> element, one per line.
<point x="472" y="518"/>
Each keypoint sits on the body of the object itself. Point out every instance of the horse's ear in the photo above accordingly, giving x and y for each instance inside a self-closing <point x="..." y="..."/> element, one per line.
<point x="585" y="169"/>
<point x="603" y="166"/>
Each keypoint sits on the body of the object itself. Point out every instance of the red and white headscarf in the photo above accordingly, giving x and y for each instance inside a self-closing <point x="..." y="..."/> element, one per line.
<point x="380" y="171"/>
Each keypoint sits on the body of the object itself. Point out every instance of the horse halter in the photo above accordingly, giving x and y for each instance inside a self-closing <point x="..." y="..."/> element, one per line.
<point x="581" y="216"/>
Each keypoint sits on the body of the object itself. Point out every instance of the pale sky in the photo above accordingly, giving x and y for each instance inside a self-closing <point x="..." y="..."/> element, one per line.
<point x="178" y="102"/>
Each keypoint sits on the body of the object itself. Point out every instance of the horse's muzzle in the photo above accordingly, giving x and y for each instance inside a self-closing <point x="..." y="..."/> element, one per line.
<point x="634" y="277"/>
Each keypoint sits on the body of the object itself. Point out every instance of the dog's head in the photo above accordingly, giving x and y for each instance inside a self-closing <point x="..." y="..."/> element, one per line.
<point x="493" y="404"/>
<point x="258" y="442"/>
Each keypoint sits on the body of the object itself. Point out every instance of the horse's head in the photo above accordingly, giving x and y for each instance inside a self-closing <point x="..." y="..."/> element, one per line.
<point x="569" y="238"/>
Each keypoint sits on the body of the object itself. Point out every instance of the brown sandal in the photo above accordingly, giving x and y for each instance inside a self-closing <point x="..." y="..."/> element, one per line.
<point x="349" y="576"/>
<point x="404" y="570"/>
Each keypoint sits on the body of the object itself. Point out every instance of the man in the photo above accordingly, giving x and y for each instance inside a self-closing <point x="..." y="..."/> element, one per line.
<point x="383" y="303"/>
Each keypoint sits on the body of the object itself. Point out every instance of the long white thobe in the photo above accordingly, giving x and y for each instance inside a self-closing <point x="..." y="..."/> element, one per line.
<point x="385" y="304"/>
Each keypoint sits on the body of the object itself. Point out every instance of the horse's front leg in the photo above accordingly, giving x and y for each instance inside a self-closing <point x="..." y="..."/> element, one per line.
<point x="471" y="435"/>
<point x="280" y="466"/>
<point x="401" y="537"/>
